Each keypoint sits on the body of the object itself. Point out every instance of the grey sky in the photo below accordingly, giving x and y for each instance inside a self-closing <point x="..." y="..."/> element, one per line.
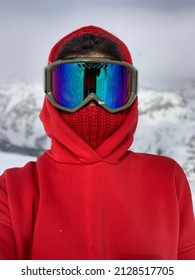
<point x="55" y="6"/>
<point x="159" y="34"/>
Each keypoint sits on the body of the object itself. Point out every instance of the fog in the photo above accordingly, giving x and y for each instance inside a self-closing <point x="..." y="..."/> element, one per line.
<point x="159" y="34"/>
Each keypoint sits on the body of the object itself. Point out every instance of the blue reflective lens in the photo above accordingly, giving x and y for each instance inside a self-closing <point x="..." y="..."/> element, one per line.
<point x="73" y="82"/>
<point x="67" y="84"/>
<point x="113" y="85"/>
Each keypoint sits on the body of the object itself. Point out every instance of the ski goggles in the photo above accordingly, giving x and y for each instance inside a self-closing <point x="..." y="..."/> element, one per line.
<point x="72" y="83"/>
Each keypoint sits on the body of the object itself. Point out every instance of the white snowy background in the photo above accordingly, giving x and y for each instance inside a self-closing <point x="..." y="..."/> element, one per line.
<point x="161" y="38"/>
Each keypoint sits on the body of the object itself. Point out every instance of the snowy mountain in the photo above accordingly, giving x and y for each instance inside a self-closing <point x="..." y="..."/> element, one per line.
<point x="167" y="125"/>
<point x="20" y="128"/>
<point x="166" y="122"/>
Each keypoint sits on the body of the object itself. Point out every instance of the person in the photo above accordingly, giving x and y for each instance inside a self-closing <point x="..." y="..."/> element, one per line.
<point x="90" y="196"/>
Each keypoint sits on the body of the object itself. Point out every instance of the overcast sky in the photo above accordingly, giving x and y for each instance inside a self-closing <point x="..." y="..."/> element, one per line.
<point x="160" y="35"/>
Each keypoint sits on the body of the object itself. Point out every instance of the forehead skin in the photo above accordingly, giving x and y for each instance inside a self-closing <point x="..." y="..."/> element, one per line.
<point x="90" y="54"/>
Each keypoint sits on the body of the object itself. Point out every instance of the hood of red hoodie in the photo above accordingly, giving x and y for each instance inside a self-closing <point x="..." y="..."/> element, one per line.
<point x="66" y="145"/>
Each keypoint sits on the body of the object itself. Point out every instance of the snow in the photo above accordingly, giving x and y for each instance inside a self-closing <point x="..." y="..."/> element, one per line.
<point x="192" y="186"/>
<point x="9" y="160"/>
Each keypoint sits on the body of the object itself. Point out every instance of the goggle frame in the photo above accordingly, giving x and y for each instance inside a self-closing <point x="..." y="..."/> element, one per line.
<point x="92" y="96"/>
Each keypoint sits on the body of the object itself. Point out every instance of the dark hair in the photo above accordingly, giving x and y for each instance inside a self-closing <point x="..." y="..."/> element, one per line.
<point x="84" y="44"/>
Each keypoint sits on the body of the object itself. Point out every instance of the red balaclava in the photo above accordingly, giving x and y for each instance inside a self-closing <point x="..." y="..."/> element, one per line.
<point x="93" y="124"/>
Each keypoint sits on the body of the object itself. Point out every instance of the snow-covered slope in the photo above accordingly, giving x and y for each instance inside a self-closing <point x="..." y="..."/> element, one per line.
<point x="20" y="128"/>
<point x="167" y="125"/>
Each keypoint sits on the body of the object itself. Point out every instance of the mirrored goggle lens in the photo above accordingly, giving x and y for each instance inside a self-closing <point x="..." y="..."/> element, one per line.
<point x="73" y="82"/>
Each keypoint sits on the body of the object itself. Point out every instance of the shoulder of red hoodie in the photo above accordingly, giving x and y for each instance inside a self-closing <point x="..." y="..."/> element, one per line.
<point x="140" y="208"/>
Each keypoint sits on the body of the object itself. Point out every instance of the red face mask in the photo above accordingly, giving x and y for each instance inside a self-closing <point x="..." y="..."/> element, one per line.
<point x="94" y="124"/>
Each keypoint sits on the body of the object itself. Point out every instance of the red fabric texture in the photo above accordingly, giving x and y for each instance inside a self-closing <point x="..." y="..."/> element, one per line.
<point x="75" y="202"/>
<point x="94" y="124"/>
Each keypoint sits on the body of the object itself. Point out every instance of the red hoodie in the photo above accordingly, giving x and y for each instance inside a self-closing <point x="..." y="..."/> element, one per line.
<point x="111" y="203"/>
